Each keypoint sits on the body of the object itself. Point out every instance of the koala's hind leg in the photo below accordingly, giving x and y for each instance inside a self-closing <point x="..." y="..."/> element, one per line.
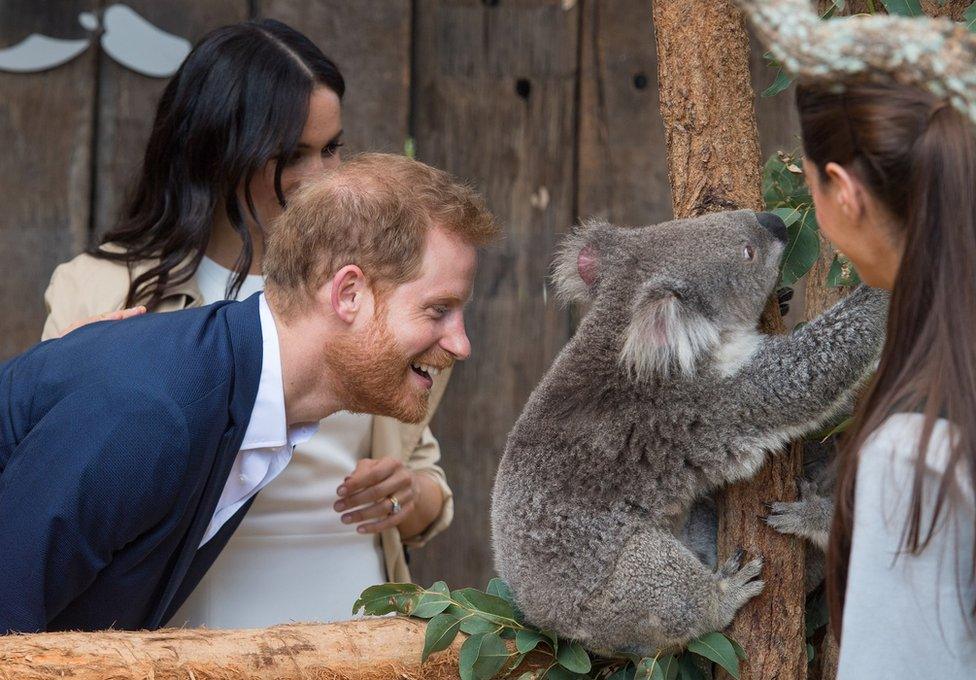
<point x="660" y="596"/>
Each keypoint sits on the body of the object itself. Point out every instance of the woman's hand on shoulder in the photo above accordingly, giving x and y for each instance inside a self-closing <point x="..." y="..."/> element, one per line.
<point x="117" y="315"/>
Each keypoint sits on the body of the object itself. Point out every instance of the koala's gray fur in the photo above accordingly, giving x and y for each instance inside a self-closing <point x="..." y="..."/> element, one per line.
<point x="665" y="392"/>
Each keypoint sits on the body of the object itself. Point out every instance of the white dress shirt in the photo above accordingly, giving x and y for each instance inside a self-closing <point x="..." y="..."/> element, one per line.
<point x="268" y="441"/>
<point x="291" y="558"/>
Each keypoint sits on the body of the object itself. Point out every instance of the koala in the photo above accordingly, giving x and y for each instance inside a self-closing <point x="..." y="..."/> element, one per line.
<point x="666" y="391"/>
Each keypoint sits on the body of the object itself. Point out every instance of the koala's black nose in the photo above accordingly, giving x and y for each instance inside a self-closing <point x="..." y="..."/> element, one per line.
<point x="774" y="225"/>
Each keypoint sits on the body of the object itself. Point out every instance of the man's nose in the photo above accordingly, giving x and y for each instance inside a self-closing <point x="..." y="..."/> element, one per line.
<point x="456" y="342"/>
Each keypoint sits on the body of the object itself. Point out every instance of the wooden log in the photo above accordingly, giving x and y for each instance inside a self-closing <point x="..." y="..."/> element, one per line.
<point x="715" y="164"/>
<point x="369" y="649"/>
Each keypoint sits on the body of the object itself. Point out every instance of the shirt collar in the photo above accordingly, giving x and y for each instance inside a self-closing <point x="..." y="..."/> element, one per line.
<point x="268" y="426"/>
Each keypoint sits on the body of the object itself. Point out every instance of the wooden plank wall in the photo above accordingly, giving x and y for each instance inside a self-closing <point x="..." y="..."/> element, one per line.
<point x="549" y="107"/>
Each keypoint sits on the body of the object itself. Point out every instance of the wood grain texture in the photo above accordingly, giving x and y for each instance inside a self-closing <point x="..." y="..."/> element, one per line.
<point x="370" y="42"/>
<point x="494" y="103"/>
<point x="46" y="133"/>
<point x="622" y="173"/>
<point x="371" y="649"/>
<point x="714" y="164"/>
<point x="127" y="100"/>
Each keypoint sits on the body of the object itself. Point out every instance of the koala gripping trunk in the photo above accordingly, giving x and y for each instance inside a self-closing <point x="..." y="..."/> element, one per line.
<point x="714" y="164"/>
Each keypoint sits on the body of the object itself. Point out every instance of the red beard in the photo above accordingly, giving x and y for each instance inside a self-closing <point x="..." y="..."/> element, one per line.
<point x="373" y="374"/>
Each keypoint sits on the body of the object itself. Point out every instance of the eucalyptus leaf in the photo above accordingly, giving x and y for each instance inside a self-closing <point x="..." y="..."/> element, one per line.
<point x="739" y="651"/>
<point x="649" y="669"/>
<point x="842" y="273"/>
<point x="381" y="599"/>
<point x="716" y="647"/>
<point x="557" y="672"/>
<point x="491" y="605"/>
<point x="625" y="673"/>
<point x="482" y="656"/>
<point x="802" y="250"/>
<point x="440" y="633"/>
<point x="790" y="216"/>
<point x="781" y="82"/>
<point x="573" y="657"/>
<point x="811" y="653"/>
<point x="431" y="603"/>
<point x="499" y="588"/>
<point x="669" y="666"/>
<point x="905" y="8"/>
<point x="690" y="670"/>
<point x="527" y="640"/>
<point x="969" y="16"/>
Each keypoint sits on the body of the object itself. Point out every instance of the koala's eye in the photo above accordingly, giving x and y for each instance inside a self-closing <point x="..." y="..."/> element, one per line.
<point x="748" y="252"/>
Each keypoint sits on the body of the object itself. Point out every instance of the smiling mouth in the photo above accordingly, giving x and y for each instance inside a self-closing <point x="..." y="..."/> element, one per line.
<point x="425" y="371"/>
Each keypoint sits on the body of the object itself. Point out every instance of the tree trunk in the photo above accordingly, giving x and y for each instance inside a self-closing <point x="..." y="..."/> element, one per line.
<point x="370" y="649"/>
<point x="714" y="164"/>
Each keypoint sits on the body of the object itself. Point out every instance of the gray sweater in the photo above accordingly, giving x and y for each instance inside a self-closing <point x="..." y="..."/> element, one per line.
<point x="910" y="617"/>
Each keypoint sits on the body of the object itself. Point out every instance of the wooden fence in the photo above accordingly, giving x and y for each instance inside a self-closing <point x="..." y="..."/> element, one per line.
<point x="549" y="107"/>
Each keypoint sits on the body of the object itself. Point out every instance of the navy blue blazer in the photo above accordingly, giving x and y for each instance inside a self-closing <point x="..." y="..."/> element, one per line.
<point x="115" y="444"/>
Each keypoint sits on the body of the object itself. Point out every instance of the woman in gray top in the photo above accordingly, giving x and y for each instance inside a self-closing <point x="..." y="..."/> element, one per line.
<point x="892" y="171"/>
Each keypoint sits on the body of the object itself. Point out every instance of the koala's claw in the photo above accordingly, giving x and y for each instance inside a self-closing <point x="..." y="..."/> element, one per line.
<point x="741" y="586"/>
<point x="808" y="518"/>
<point x="731" y="565"/>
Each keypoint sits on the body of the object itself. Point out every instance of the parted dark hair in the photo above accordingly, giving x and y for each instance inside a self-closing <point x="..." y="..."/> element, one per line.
<point x="239" y="100"/>
<point x="916" y="155"/>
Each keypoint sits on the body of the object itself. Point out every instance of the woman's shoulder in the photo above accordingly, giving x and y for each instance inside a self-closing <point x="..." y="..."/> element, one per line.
<point x="83" y="287"/>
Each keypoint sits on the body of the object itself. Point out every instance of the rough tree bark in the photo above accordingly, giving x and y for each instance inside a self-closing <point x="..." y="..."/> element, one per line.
<point x="715" y="164"/>
<point x="372" y="649"/>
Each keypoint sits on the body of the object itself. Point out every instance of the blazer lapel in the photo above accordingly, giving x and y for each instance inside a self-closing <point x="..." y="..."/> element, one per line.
<point x="244" y="328"/>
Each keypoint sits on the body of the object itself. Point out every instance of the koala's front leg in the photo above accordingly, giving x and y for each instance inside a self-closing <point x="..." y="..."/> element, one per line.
<point x="794" y="383"/>
<point x="809" y="517"/>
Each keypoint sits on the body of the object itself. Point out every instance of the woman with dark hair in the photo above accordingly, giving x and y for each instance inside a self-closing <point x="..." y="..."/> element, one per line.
<point x="254" y="108"/>
<point x="892" y="171"/>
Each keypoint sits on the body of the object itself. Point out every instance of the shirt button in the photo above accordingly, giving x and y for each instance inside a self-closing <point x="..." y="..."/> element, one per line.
<point x="243" y="478"/>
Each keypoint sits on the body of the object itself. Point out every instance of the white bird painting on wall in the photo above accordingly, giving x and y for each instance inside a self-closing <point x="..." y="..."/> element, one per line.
<point x="126" y="37"/>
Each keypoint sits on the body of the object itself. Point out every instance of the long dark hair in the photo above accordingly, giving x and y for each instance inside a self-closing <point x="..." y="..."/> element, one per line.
<point x="917" y="156"/>
<point x="239" y="100"/>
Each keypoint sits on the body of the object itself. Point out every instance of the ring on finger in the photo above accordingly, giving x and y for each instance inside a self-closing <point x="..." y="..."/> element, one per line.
<point x="395" y="506"/>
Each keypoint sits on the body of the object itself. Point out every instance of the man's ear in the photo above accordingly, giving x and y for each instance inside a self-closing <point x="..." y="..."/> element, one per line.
<point x="348" y="291"/>
<point x="580" y="260"/>
<point x="666" y="333"/>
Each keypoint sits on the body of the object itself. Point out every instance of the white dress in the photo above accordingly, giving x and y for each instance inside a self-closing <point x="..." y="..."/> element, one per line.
<point x="291" y="558"/>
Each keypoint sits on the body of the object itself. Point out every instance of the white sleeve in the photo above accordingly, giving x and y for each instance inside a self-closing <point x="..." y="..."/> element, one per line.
<point x="908" y="617"/>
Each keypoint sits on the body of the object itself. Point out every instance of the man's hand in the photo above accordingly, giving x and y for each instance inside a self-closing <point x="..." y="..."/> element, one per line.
<point x="107" y="316"/>
<point x="369" y="489"/>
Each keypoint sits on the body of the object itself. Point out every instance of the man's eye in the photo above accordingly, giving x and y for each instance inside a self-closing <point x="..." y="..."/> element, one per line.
<point x="332" y="148"/>
<point x="438" y="310"/>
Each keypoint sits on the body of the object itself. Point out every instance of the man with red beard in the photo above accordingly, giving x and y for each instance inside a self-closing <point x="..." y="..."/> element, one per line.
<point x="130" y="450"/>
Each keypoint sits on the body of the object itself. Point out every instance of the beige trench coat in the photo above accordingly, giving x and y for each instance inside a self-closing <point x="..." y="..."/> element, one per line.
<point x="87" y="286"/>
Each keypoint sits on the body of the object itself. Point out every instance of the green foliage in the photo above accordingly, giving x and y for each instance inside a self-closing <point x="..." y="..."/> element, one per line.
<point x="905" y="8"/>
<point x="842" y="273"/>
<point x="492" y="617"/>
<point x="969" y="16"/>
<point x="787" y="195"/>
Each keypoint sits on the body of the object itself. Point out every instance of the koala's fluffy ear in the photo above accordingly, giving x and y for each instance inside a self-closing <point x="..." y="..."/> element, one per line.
<point x="576" y="269"/>
<point x="666" y="333"/>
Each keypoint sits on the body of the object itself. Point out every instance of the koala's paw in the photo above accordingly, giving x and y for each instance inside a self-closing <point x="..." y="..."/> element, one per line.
<point x="808" y="517"/>
<point x="738" y="583"/>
